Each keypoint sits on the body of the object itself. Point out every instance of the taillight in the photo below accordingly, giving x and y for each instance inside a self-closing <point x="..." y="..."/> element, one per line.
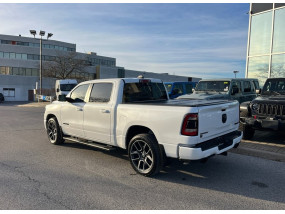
<point x="190" y="125"/>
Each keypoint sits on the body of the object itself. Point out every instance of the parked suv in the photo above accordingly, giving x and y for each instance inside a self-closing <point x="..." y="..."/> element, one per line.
<point x="1" y="98"/>
<point x="266" y="111"/>
<point x="227" y="89"/>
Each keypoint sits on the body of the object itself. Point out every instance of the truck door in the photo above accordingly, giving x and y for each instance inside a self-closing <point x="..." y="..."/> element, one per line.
<point x="97" y="113"/>
<point x="72" y="112"/>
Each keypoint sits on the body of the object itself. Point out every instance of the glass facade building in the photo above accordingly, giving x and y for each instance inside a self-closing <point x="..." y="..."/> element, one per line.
<point x="266" y="41"/>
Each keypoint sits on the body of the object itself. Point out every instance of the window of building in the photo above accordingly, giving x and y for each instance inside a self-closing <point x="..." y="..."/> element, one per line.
<point x="35" y="72"/>
<point x="260" y="34"/>
<point x="1" y="54"/>
<point x="18" y="56"/>
<point x="15" y="71"/>
<point x="258" y="67"/>
<point x="28" y="72"/>
<point x="278" y="65"/>
<point x="3" y="70"/>
<point x="6" y="55"/>
<point x="12" y="55"/>
<point x="24" y="56"/>
<point x="279" y="31"/>
<point x="78" y="95"/>
<point x="9" y="92"/>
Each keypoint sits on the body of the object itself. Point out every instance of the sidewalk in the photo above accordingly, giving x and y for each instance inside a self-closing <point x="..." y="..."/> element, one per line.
<point x="265" y="144"/>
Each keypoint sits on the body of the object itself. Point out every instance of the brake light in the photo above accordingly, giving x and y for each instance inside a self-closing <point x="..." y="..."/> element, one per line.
<point x="190" y="125"/>
<point x="145" y="81"/>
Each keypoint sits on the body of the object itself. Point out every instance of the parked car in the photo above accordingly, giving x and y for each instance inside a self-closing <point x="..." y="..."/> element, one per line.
<point x="267" y="111"/>
<point x="137" y="115"/>
<point x="227" y="89"/>
<point x="176" y="89"/>
<point x="2" y="99"/>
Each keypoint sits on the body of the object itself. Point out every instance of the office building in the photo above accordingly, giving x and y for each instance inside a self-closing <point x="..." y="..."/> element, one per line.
<point x="266" y="41"/>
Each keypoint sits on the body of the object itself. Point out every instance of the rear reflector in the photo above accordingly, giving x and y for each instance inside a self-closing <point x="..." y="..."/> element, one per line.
<point x="190" y="125"/>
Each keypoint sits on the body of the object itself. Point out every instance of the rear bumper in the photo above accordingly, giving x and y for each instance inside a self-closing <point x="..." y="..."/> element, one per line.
<point x="211" y="147"/>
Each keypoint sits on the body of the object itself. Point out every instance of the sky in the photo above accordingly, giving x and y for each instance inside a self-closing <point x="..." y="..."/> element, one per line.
<point x="197" y="40"/>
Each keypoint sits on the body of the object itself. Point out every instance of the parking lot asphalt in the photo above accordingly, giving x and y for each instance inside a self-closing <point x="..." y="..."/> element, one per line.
<point x="265" y="144"/>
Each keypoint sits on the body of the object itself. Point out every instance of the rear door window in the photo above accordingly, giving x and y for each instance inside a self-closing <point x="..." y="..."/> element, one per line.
<point x="148" y="91"/>
<point x="101" y="92"/>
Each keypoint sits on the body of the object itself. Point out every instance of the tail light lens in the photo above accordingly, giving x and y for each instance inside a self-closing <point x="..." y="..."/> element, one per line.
<point x="190" y="125"/>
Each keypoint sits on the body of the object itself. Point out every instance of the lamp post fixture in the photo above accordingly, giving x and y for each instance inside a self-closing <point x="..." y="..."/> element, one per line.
<point x="235" y="72"/>
<point x="42" y="33"/>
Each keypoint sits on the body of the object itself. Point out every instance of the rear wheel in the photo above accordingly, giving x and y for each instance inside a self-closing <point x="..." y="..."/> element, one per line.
<point x="144" y="154"/>
<point x="54" y="132"/>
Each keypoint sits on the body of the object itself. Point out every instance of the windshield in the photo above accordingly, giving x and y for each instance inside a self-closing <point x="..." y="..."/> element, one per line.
<point x="139" y="92"/>
<point x="220" y="86"/>
<point x="274" y="87"/>
<point x="168" y="87"/>
<point x="67" y="87"/>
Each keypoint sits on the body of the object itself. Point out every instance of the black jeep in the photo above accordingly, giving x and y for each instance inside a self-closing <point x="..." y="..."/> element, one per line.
<point x="267" y="111"/>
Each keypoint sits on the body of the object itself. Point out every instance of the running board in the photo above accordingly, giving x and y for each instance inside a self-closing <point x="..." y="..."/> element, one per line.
<point x="90" y="143"/>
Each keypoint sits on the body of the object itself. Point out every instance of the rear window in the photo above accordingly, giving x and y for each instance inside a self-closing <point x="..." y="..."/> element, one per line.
<point x="147" y="91"/>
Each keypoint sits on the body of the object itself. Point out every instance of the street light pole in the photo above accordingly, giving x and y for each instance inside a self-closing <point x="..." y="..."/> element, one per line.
<point x="41" y="65"/>
<point x="235" y="72"/>
<point x="42" y="33"/>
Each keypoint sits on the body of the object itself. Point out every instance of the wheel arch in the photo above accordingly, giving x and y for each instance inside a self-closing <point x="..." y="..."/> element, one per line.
<point x="135" y="130"/>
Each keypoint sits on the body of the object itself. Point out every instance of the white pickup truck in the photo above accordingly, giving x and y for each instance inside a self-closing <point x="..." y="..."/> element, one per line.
<point x="136" y="114"/>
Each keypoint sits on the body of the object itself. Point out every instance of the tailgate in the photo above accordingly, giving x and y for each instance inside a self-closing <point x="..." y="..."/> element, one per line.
<point x="216" y="120"/>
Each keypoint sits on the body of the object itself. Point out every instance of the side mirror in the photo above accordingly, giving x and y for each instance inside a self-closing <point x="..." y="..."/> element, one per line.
<point x="57" y="90"/>
<point x="193" y="90"/>
<point x="258" y="91"/>
<point x="68" y="99"/>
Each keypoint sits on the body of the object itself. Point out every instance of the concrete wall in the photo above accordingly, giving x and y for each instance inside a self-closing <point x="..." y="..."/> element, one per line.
<point x="22" y="84"/>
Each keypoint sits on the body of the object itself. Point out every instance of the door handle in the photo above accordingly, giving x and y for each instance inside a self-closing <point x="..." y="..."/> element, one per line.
<point x="105" y="111"/>
<point x="79" y="109"/>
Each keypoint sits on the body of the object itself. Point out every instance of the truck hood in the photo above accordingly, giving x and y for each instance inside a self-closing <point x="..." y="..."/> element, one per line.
<point x="278" y="99"/>
<point x="203" y="96"/>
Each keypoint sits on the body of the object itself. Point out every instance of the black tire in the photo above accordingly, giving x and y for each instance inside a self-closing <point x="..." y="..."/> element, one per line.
<point x="54" y="132"/>
<point x="144" y="154"/>
<point x="248" y="131"/>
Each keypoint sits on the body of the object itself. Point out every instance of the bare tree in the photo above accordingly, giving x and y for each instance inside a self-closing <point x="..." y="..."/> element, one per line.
<point x="65" y="65"/>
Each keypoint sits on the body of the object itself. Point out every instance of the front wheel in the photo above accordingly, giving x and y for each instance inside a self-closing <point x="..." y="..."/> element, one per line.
<point x="54" y="132"/>
<point x="144" y="154"/>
